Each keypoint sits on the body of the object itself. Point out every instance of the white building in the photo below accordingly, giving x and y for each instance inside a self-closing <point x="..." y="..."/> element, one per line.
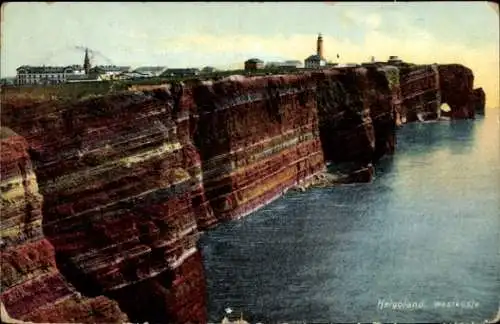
<point x="285" y="64"/>
<point x="314" y="62"/>
<point x="83" y="78"/>
<point x="28" y="75"/>
<point x="132" y="76"/>
<point x="150" y="71"/>
<point x="108" y="72"/>
<point x="317" y="60"/>
<point x="181" y="72"/>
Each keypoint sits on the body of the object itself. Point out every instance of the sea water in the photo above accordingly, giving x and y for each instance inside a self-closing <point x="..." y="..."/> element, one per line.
<point x="421" y="243"/>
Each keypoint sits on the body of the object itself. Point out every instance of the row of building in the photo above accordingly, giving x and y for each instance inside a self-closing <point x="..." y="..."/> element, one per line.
<point x="29" y="75"/>
<point x="311" y="62"/>
<point x="314" y="61"/>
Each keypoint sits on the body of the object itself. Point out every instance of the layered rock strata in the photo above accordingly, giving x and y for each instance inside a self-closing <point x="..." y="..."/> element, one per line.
<point x="421" y="93"/>
<point x="257" y="137"/>
<point x="123" y="198"/>
<point x="426" y="87"/>
<point x="32" y="288"/>
<point x="128" y="179"/>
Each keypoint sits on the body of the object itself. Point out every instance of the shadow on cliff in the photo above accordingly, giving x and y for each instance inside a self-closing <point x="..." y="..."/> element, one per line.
<point x="345" y="128"/>
<point x="357" y="119"/>
<point x="212" y="139"/>
<point x="83" y="283"/>
<point x="147" y="295"/>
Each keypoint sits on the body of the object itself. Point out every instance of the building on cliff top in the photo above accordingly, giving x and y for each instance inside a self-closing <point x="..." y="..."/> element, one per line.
<point x="83" y="78"/>
<point x="317" y="60"/>
<point x="108" y="72"/>
<point x="394" y="60"/>
<point x="132" y="76"/>
<point x="290" y="64"/>
<point x="208" y="69"/>
<point x="43" y="75"/>
<point x="152" y="71"/>
<point x="254" y="64"/>
<point x="181" y="72"/>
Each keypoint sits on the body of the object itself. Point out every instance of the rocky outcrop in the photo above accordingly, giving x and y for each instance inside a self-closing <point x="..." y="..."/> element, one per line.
<point x="426" y="87"/>
<point x="257" y="137"/>
<point x="32" y="288"/>
<point x="456" y="84"/>
<point x="478" y="101"/>
<point x="129" y="179"/>
<point x="421" y="92"/>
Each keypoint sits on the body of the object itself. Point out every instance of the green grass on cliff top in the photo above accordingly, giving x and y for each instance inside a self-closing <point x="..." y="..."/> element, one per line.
<point x="72" y="91"/>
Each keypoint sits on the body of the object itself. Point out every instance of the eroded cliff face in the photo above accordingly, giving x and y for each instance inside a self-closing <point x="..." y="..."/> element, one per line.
<point x="32" y="288"/>
<point x="129" y="179"/>
<point x="426" y="87"/>
<point x="421" y="93"/>
<point x="358" y="109"/>
<point x="456" y="83"/>
<point x="257" y="137"/>
<point x="123" y="198"/>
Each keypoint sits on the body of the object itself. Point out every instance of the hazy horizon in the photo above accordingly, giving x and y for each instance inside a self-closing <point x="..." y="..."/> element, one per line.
<point x="224" y="35"/>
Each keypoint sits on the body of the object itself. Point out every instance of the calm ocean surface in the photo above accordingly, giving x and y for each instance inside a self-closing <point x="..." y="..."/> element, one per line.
<point x="419" y="244"/>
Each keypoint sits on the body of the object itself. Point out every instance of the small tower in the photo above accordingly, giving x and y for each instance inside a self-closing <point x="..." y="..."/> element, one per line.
<point x="86" y="62"/>
<point x="319" y="46"/>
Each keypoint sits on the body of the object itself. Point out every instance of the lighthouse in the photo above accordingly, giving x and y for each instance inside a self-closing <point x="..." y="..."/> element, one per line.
<point x="319" y="46"/>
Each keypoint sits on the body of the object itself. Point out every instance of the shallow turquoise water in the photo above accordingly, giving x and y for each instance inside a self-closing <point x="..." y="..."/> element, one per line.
<point x="425" y="234"/>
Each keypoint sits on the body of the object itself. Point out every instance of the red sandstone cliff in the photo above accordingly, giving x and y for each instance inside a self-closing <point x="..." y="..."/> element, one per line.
<point x="128" y="179"/>
<point x="257" y="137"/>
<point x="123" y="198"/>
<point x="425" y="87"/>
<point x="420" y="92"/>
<point x="32" y="288"/>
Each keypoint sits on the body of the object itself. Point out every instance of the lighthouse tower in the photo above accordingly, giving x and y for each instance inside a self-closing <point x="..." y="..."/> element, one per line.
<point x="319" y="46"/>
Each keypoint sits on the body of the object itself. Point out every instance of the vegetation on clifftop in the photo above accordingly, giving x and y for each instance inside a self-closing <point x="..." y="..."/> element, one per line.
<point x="72" y="91"/>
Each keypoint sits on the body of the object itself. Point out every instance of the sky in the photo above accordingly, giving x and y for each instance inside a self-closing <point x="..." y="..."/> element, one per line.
<point x="225" y="34"/>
